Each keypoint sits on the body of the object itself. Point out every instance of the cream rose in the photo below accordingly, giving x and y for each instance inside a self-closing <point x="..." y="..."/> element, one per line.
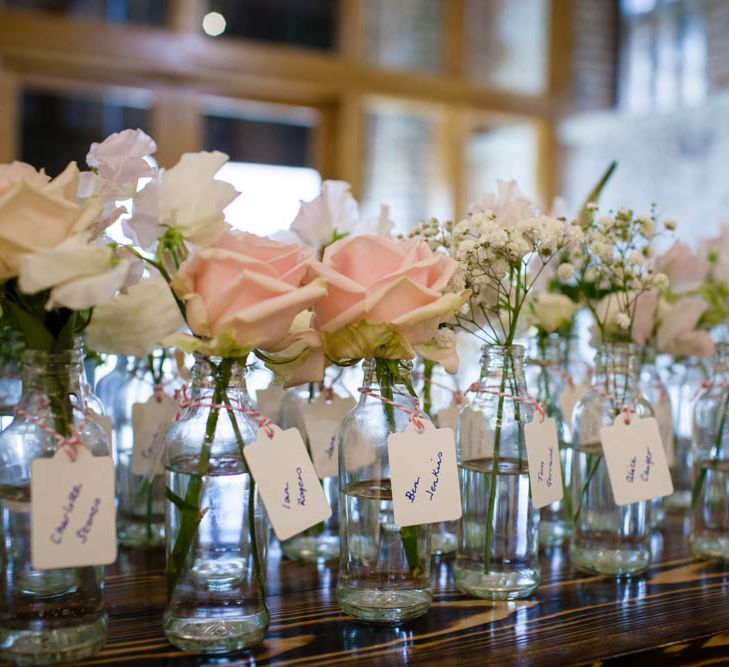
<point x="38" y="214"/>
<point x="243" y="292"/>
<point x="385" y="296"/>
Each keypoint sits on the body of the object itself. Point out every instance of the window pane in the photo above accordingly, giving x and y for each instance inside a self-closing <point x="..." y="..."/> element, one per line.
<point x="405" y="34"/>
<point x="57" y="128"/>
<point x="400" y="166"/>
<point x="508" y="152"/>
<point x="507" y="43"/>
<point x="269" y="165"/>
<point x="311" y="23"/>
<point x="149" y="12"/>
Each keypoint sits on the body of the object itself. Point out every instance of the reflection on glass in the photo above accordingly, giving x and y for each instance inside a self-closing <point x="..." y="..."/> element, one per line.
<point x="405" y="34"/>
<point x="400" y="166"/>
<point x="147" y="12"/>
<point x="507" y="44"/>
<point x="310" y="24"/>
<point x="501" y="151"/>
<point x="58" y="127"/>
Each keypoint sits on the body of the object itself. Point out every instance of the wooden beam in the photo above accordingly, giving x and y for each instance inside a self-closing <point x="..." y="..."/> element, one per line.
<point x="186" y="15"/>
<point x="350" y="29"/>
<point x="132" y="53"/>
<point x="560" y="75"/>
<point x="454" y="37"/>
<point x="350" y="141"/>
<point x="177" y="124"/>
<point x="9" y="115"/>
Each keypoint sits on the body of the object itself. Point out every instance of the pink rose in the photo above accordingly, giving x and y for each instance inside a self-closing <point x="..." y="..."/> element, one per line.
<point x="379" y="287"/>
<point x="685" y="270"/>
<point x="246" y="290"/>
<point x="677" y="332"/>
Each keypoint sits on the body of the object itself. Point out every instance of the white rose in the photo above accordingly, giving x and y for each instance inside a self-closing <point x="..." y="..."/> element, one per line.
<point x="551" y="311"/>
<point x="134" y="323"/>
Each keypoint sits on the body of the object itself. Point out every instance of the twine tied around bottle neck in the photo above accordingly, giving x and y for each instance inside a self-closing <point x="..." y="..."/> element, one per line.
<point x="532" y="402"/>
<point x="416" y="415"/>
<point x="184" y="401"/>
<point x="69" y="443"/>
<point x="625" y="410"/>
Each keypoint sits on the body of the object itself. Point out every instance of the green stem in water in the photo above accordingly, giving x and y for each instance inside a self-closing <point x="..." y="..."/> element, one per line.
<point x="190" y="511"/>
<point x="428" y="367"/>
<point x="701" y="477"/>
<point x="388" y="375"/>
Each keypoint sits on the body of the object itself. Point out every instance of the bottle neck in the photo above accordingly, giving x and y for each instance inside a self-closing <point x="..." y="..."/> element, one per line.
<point x="215" y="378"/>
<point x="501" y="364"/>
<point x="721" y="361"/>
<point x="617" y="367"/>
<point x="548" y="350"/>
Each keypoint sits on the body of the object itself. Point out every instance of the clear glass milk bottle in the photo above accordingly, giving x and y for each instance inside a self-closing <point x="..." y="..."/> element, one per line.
<point x="384" y="570"/>
<point x="709" y="536"/>
<point x="546" y="380"/>
<point x="217" y="531"/>
<point x="607" y="538"/>
<point x="46" y="616"/>
<point x="497" y="534"/>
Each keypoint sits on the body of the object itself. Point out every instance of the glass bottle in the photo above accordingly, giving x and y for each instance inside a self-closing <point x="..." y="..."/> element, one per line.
<point x="655" y="392"/>
<point x="709" y="535"/>
<point x="683" y="380"/>
<point x="384" y="571"/>
<point x="216" y="530"/>
<point x="11" y="350"/>
<point x="497" y="534"/>
<point x="607" y="538"/>
<point x="546" y="379"/>
<point x="140" y="501"/>
<point x="321" y="542"/>
<point x="57" y="615"/>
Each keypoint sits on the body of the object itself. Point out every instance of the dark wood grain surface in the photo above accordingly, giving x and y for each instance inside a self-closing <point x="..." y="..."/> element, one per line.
<point x="677" y="613"/>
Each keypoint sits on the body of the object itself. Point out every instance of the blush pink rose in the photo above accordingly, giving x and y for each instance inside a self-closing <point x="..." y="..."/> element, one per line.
<point x="246" y="288"/>
<point x="398" y="285"/>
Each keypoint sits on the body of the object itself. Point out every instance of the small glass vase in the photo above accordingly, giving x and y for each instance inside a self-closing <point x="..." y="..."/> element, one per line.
<point x="321" y="542"/>
<point x="497" y="534"/>
<point x="546" y="380"/>
<point x="140" y="501"/>
<point x="654" y="390"/>
<point x="217" y="531"/>
<point x="607" y="538"/>
<point x="46" y="616"/>
<point x="709" y="537"/>
<point x="683" y="380"/>
<point x="384" y="570"/>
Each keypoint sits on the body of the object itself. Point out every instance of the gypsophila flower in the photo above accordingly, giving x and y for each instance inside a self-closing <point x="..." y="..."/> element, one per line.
<point x="565" y="271"/>
<point x="661" y="281"/>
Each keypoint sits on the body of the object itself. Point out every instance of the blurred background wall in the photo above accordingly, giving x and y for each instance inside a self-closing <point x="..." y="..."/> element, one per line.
<point x="418" y="103"/>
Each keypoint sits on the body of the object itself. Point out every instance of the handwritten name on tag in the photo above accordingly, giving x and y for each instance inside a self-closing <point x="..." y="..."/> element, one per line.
<point x="290" y="490"/>
<point x="636" y="461"/>
<point x="448" y="417"/>
<point x="545" y="470"/>
<point x="322" y="420"/>
<point x="424" y="475"/>
<point x="475" y="437"/>
<point x="269" y="401"/>
<point x="150" y="422"/>
<point x="664" y="417"/>
<point x="73" y="516"/>
<point x="570" y="396"/>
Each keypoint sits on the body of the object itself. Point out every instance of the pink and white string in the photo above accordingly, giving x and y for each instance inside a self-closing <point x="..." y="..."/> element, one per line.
<point x="532" y="402"/>
<point x="417" y="417"/>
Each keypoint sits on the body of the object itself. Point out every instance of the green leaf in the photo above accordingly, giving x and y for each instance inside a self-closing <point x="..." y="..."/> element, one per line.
<point x="35" y="333"/>
<point x="409" y="537"/>
<point x="183" y="504"/>
<point x="584" y="216"/>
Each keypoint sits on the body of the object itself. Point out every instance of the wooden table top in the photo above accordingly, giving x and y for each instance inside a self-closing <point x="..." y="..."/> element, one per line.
<point x="677" y="613"/>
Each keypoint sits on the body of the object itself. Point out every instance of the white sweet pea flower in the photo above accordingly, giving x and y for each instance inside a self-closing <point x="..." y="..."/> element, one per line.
<point x="334" y="210"/>
<point x="78" y="274"/>
<point x="187" y="197"/>
<point x="134" y="323"/>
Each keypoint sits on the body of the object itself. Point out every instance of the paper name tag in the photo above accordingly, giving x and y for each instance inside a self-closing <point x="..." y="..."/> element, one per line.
<point x="150" y="422"/>
<point x="290" y="490"/>
<point x="73" y="516"/>
<point x="636" y="461"/>
<point x="545" y="470"/>
<point x="104" y="421"/>
<point x="269" y="401"/>
<point x="570" y="396"/>
<point x="448" y="417"/>
<point x="664" y="417"/>
<point x="424" y="475"/>
<point x="475" y="438"/>
<point x="322" y="420"/>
